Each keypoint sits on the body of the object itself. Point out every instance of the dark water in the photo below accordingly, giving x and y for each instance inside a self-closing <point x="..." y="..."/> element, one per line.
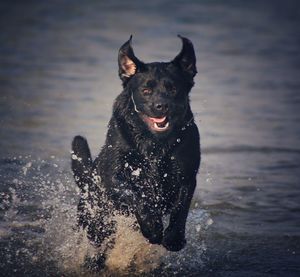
<point x="58" y="78"/>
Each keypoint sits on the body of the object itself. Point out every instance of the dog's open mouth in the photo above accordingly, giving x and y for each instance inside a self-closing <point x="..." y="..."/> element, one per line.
<point x="158" y="124"/>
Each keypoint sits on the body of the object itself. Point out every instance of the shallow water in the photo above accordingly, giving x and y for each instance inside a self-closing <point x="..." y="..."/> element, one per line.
<point x="58" y="78"/>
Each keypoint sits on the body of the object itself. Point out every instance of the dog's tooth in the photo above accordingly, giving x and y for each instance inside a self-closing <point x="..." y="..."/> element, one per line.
<point x="161" y="128"/>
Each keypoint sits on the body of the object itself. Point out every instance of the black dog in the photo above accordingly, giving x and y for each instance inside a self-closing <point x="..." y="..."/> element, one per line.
<point x="151" y="156"/>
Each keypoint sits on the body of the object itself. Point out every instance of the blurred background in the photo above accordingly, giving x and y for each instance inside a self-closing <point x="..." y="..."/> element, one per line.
<point x="58" y="78"/>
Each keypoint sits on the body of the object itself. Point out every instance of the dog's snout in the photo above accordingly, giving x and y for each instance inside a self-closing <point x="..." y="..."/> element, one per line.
<point x="162" y="107"/>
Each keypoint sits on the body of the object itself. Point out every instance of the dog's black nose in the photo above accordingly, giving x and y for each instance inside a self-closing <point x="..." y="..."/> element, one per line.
<point x="161" y="107"/>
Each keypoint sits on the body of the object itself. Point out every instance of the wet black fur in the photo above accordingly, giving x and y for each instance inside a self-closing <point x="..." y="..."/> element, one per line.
<point x="145" y="173"/>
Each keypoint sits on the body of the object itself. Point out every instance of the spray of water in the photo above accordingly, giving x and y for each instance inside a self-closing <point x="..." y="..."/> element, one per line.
<point x="39" y="228"/>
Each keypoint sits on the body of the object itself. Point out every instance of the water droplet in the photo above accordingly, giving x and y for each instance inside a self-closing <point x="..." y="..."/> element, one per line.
<point x="209" y="221"/>
<point x="74" y="157"/>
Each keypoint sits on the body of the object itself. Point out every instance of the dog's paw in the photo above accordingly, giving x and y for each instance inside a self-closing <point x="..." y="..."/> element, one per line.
<point x="154" y="238"/>
<point x="152" y="230"/>
<point x="173" y="240"/>
<point x="154" y="235"/>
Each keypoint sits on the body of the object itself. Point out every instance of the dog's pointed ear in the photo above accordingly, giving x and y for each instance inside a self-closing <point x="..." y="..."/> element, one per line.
<point x="129" y="64"/>
<point x="186" y="59"/>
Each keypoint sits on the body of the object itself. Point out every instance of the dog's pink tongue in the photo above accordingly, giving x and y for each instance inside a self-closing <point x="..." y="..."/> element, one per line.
<point x="158" y="120"/>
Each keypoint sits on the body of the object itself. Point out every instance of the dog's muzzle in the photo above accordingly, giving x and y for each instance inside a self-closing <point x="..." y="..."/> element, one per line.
<point x="157" y="124"/>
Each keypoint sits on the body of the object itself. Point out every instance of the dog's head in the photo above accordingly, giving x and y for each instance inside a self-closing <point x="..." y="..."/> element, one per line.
<point x="159" y="91"/>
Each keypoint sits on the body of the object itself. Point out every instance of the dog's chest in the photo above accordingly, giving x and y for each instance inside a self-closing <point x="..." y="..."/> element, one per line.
<point x="156" y="178"/>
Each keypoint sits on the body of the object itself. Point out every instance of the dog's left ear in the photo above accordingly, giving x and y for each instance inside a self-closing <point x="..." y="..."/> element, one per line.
<point x="129" y="64"/>
<point x="186" y="59"/>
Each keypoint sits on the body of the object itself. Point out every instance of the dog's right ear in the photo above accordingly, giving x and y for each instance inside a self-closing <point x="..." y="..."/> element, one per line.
<point x="129" y="64"/>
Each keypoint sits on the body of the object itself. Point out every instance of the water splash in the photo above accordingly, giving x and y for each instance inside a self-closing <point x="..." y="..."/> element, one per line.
<point x="131" y="249"/>
<point x="39" y="231"/>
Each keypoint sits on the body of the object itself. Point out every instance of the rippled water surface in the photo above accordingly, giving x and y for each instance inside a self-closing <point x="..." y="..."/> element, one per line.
<point x="58" y="78"/>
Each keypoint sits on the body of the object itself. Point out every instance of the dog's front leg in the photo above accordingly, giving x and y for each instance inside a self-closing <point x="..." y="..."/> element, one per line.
<point x="148" y="218"/>
<point x="150" y="223"/>
<point x="174" y="235"/>
<point x="121" y="191"/>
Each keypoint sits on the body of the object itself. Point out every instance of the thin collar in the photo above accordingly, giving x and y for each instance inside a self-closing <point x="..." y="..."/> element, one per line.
<point x="188" y="124"/>
<point x="135" y="108"/>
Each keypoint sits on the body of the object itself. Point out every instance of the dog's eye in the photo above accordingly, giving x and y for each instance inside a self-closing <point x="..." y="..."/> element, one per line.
<point x="147" y="91"/>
